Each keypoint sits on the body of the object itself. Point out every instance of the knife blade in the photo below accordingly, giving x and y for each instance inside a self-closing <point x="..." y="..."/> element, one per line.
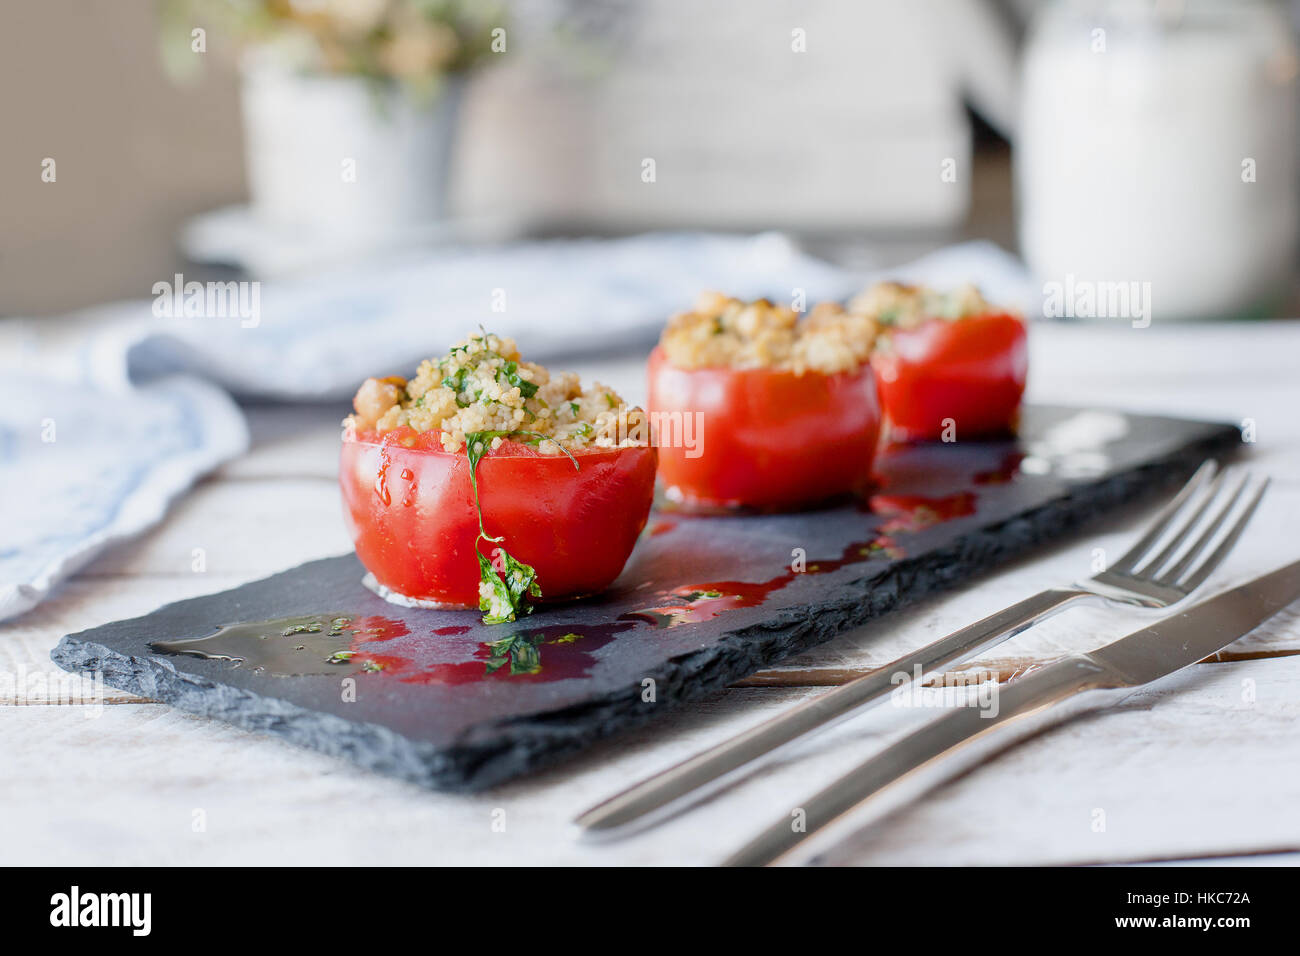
<point x="963" y="738"/>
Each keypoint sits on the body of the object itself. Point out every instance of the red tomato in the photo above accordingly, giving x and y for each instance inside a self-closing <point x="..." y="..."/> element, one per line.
<point x="971" y="371"/>
<point x="766" y="439"/>
<point x="410" y="511"/>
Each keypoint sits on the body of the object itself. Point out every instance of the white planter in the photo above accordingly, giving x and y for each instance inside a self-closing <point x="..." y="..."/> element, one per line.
<point x="341" y="156"/>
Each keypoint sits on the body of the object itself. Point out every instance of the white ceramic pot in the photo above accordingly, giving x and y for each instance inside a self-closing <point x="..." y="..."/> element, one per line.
<point x="343" y="156"/>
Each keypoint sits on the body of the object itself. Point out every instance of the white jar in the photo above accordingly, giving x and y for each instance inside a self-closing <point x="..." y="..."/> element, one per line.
<point x="343" y="156"/>
<point x="1157" y="145"/>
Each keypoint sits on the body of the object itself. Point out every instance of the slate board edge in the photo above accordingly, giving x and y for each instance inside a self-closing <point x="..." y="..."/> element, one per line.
<point x="541" y="739"/>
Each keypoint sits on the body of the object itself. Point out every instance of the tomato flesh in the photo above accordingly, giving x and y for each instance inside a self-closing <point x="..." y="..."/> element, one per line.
<point x="767" y="439"/>
<point x="968" y="372"/>
<point x="409" y="508"/>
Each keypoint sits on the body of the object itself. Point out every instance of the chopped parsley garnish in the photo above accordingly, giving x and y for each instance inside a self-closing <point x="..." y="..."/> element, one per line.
<point x="510" y="374"/>
<point x="509" y="591"/>
<point x="458" y="385"/>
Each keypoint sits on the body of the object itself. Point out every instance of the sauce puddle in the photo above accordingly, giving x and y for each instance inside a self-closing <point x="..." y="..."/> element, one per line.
<point x="694" y="603"/>
<point x="332" y="643"/>
<point x="341" y="645"/>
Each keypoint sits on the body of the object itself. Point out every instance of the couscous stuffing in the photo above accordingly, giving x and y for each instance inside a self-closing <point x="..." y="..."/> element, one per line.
<point x="482" y="385"/>
<point x="721" y="332"/>
<point x="897" y="305"/>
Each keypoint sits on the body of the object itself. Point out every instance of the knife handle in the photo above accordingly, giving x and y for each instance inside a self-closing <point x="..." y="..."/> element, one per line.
<point x="661" y="795"/>
<point x="938" y="751"/>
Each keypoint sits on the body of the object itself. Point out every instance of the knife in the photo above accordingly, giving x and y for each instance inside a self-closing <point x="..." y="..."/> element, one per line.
<point x="962" y="739"/>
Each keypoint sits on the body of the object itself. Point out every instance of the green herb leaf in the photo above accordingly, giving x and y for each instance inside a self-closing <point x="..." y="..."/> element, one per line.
<point x="510" y="373"/>
<point x="508" y="596"/>
<point x="460" y="386"/>
<point x="476" y="446"/>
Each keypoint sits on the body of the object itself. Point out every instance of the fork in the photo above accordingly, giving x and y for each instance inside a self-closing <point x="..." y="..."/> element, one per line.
<point x="1144" y="577"/>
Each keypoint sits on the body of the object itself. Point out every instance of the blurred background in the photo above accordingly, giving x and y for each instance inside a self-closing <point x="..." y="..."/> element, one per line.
<point x="1147" y="140"/>
<point x="826" y="119"/>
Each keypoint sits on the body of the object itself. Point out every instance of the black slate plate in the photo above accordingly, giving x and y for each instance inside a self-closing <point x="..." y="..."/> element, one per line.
<point x="442" y="700"/>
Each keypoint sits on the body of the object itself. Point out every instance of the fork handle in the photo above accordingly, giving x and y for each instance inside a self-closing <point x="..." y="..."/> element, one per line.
<point x="663" y="794"/>
<point x="937" y="752"/>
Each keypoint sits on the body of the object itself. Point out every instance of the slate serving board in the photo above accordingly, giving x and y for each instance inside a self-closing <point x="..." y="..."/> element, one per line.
<point x="445" y="701"/>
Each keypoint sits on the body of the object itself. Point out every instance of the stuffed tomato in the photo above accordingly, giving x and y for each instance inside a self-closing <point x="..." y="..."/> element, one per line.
<point x="950" y="367"/>
<point x="412" y="517"/>
<point x="487" y="482"/>
<point x="755" y="408"/>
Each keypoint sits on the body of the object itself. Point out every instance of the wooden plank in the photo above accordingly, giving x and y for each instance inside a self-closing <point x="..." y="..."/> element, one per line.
<point x="29" y="677"/>
<point x="1190" y="770"/>
<point x="246" y="528"/>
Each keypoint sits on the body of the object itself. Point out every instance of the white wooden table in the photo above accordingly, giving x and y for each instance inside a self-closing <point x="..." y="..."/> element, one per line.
<point x="1206" y="766"/>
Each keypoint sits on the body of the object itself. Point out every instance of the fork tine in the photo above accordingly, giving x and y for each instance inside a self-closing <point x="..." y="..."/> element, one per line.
<point x="1164" y="520"/>
<point x="1221" y="552"/>
<point x="1151" y="569"/>
<point x="1173" y="574"/>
